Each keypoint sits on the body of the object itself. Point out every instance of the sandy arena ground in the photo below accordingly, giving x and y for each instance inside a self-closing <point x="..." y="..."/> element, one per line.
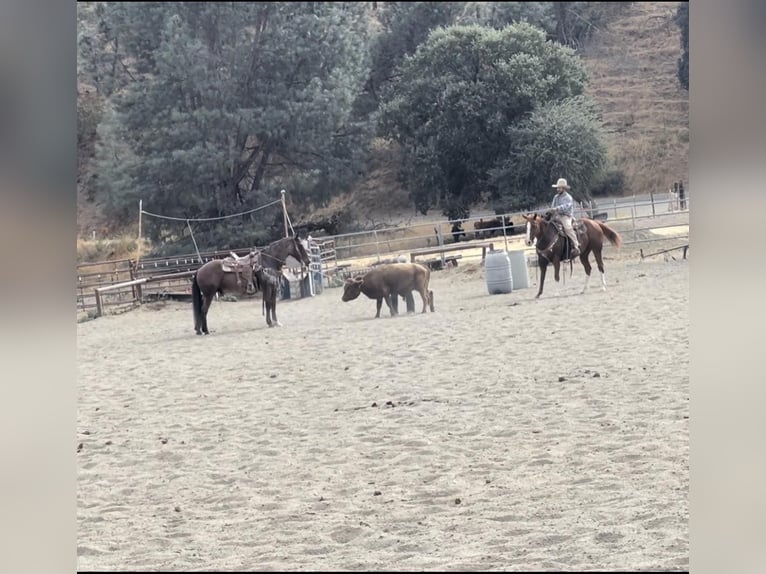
<point x="497" y="433"/>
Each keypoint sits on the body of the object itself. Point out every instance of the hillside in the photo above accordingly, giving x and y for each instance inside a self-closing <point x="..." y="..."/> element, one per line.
<point x="632" y="67"/>
<point x="633" y="74"/>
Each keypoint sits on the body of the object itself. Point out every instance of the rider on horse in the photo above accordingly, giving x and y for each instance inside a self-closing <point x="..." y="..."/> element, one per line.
<point x="563" y="207"/>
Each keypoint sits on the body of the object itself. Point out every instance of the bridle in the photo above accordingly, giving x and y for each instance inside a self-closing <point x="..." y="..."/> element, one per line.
<point x="281" y="262"/>
<point x="544" y="252"/>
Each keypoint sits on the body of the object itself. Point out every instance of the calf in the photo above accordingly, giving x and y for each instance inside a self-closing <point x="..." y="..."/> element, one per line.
<point x="389" y="280"/>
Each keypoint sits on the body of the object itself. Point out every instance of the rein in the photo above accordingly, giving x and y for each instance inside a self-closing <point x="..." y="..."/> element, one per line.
<point x="550" y="247"/>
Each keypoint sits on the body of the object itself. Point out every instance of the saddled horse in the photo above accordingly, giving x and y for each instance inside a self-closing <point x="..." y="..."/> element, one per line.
<point x="268" y="277"/>
<point x="230" y="275"/>
<point x="553" y="246"/>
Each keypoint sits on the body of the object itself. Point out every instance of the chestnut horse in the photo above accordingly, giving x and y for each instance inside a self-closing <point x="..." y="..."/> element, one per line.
<point x="553" y="246"/>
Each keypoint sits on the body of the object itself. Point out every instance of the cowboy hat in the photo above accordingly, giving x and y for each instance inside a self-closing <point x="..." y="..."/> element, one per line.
<point x="561" y="183"/>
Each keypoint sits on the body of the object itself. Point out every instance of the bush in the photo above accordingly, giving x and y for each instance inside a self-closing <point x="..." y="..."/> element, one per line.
<point x="612" y="182"/>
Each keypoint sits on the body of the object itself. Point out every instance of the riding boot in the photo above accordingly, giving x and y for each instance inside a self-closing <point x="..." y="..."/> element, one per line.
<point x="575" y="248"/>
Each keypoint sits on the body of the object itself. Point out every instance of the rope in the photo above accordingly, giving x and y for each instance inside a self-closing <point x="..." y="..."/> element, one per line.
<point x="213" y="218"/>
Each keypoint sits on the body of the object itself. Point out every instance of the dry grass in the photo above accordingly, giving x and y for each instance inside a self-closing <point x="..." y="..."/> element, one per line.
<point x="632" y="70"/>
<point x="121" y="247"/>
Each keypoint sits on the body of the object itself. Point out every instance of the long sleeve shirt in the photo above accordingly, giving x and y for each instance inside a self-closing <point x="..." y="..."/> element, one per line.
<point x="563" y="204"/>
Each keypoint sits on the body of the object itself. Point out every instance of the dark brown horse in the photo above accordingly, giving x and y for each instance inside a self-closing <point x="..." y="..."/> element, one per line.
<point x="554" y="247"/>
<point x="269" y="277"/>
<point x="231" y="275"/>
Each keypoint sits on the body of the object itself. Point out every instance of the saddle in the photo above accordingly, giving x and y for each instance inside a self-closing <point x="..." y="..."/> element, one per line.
<point x="235" y="264"/>
<point x="579" y="228"/>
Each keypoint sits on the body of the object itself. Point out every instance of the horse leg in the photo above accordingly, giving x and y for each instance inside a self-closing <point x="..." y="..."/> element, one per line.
<point x="197" y="306"/>
<point x="543" y="265"/>
<point x="274" y="310"/>
<point x="557" y="275"/>
<point x="587" y="266"/>
<point x="265" y="294"/>
<point x="270" y="313"/>
<point x="208" y="300"/>
<point x="600" y="264"/>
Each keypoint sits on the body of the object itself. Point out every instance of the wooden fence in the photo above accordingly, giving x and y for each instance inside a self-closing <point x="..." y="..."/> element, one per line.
<point x="123" y="283"/>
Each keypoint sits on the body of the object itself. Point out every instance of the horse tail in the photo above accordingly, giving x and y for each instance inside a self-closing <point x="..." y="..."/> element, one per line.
<point x="613" y="237"/>
<point x="196" y="300"/>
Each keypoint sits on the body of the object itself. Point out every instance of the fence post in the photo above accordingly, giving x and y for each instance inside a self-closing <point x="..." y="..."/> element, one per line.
<point x="138" y="245"/>
<point x="614" y="201"/>
<point x="440" y="241"/>
<point x="99" y="304"/>
<point x="651" y="196"/>
<point x="633" y="219"/>
<point x="377" y="245"/>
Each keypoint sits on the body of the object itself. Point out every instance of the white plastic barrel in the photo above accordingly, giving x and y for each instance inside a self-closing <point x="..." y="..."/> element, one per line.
<point x="497" y="267"/>
<point x="519" y="269"/>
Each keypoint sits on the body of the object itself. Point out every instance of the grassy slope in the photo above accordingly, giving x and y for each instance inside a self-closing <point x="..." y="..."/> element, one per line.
<point x="632" y="67"/>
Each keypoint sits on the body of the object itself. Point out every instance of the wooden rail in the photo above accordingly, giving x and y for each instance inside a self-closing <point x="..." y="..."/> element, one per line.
<point x="101" y="290"/>
<point x="454" y="247"/>
<point x="138" y="284"/>
<point x="684" y="247"/>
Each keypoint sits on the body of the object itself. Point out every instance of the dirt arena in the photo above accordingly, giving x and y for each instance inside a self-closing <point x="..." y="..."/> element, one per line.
<point x="498" y="433"/>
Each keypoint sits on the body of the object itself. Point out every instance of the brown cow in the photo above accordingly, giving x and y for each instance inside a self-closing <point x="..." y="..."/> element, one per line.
<point x="389" y="280"/>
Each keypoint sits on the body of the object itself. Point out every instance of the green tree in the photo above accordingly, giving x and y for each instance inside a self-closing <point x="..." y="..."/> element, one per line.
<point x="560" y="139"/>
<point x="501" y="14"/>
<point x="682" y="20"/>
<point x="403" y="27"/>
<point x="457" y="97"/>
<point x="228" y="103"/>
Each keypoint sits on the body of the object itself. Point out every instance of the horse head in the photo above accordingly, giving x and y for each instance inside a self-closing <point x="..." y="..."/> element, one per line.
<point x="297" y="250"/>
<point x="277" y="252"/>
<point x="534" y="224"/>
